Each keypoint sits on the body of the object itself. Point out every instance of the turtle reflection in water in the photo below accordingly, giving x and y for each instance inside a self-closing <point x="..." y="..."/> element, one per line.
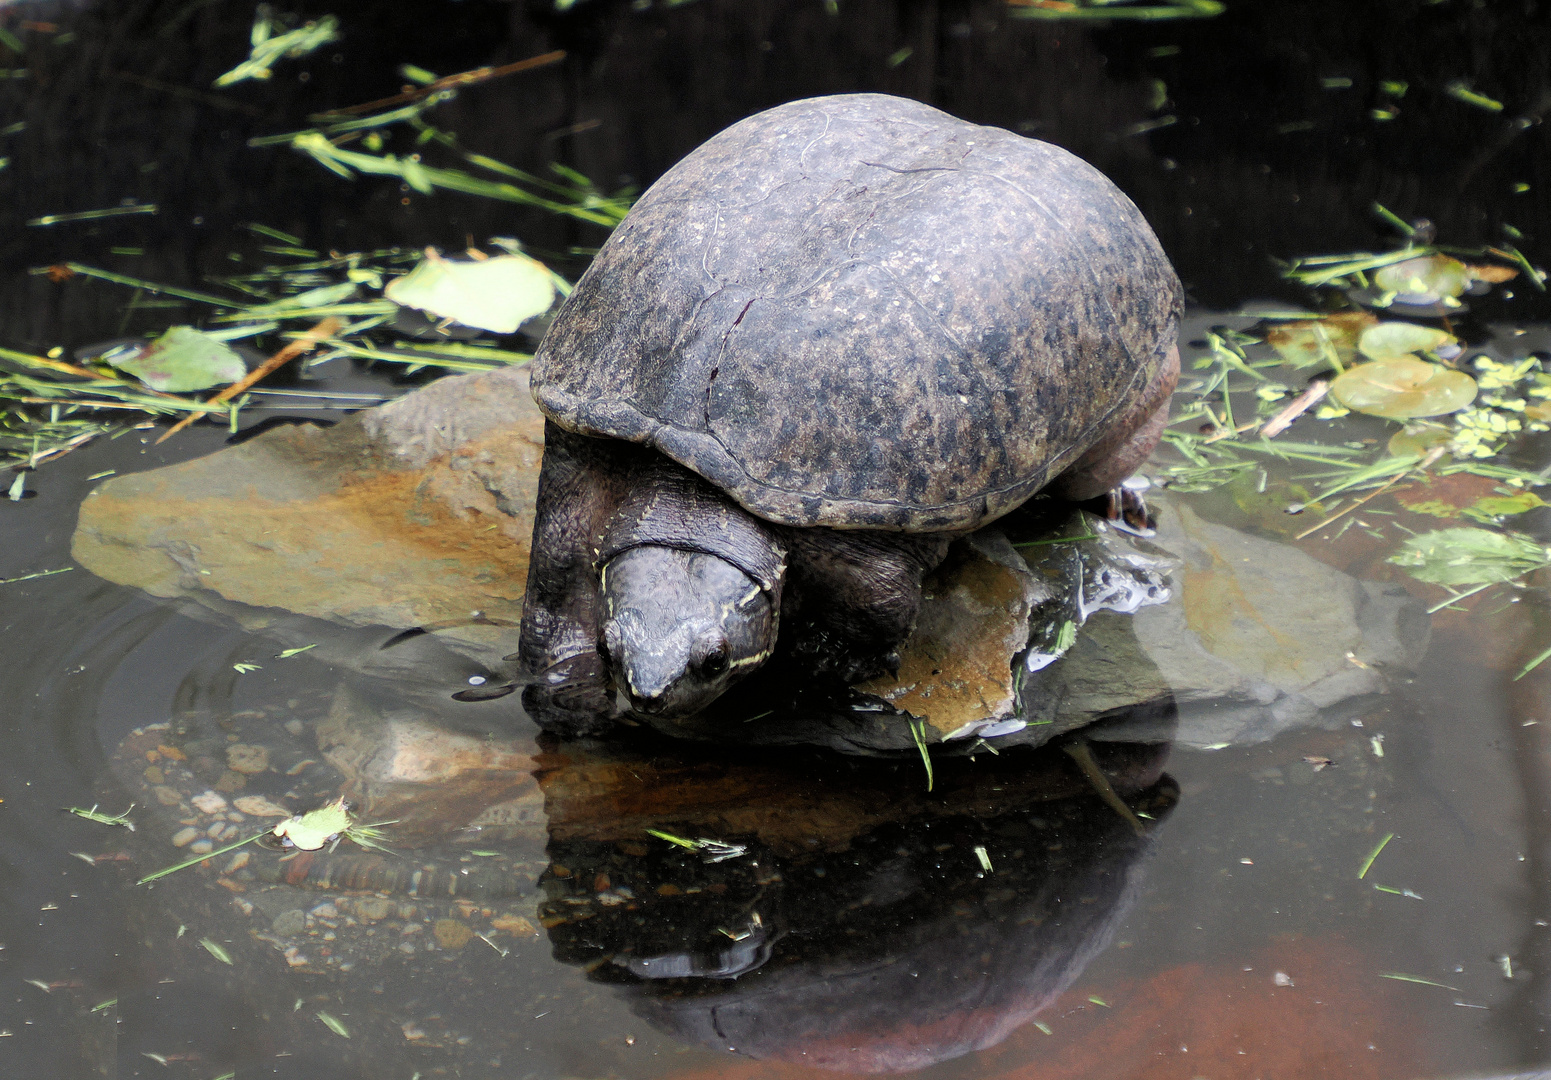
<point x="838" y="334"/>
<point x="927" y="933"/>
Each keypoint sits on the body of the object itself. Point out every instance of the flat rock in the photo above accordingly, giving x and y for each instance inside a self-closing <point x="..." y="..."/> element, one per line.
<point x="417" y="513"/>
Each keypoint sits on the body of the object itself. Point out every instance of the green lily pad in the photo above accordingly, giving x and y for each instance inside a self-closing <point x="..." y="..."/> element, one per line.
<point x="1470" y="556"/>
<point x="1311" y="342"/>
<point x="1425" y="279"/>
<point x="310" y="831"/>
<point x="1391" y="339"/>
<point x="184" y="359"/>
<point x="1402" y="388"/>
<point x="495" y="294"/>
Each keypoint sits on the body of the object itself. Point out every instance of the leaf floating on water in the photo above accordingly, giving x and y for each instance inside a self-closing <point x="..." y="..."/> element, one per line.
<point x="714" y="851"/>
<point x="320" y="297"/>
<point x="1331" y="341"/>
<point x="334" y="1025"/>
<point x="216" y="951"/>
<point x="1457" y="90"/>
<point x="1467" y="556"/>
<point x="492" y="294"/>
<point x="1417" y="439"/>
<point x="1388" y="340"/>
<point x="310" y="831"/>
<point x="183" y="359"/>
<point x="1426" y="279"/>
<point x="1496" y="506"/>
<point x="105" y="819"/>
<point x="269" y="50"/>
<point x="1492" y="274"/>
<point x="1403" y="388"/>
<point x="1367" y="865"/>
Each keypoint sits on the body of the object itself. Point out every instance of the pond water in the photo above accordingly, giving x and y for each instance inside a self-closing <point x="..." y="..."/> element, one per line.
<point x="1342" y="863"/>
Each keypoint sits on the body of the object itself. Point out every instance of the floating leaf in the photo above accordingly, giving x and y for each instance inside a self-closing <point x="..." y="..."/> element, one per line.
<point x="310" y="831"/>
<point x="1417" y="439"/>
<point x="1391" y="339"/>
<point x="268" y="50"/>
<point x="183" y="359"/>
<point x="1403" y="388"/>
<point x="1470" y="556"/>
<point x="312" y="298"/>
<point x="493" y="294"/>
<point x="1426" y="279"/>
<point x="1496" y="506"/>
<point x="1313" y="341"/>
<point x="216" y="951"/>
<point x="1457" y="90"/>
<point x="334" y="1025"/>
<point x="1492" y="274"/>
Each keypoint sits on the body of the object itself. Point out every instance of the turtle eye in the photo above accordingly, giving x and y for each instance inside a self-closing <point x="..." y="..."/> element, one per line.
<point x="715" y="661"/>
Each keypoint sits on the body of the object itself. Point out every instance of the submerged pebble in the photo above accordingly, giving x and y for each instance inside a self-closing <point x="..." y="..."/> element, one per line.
<point x="290" y="923"/>
<point x="209" y="803"/>
<point x="451" y="934"/>
<point x="245" y="758"/>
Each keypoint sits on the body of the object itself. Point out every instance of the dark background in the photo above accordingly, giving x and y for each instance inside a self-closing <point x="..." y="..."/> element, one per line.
<point x="1264" y="158"/>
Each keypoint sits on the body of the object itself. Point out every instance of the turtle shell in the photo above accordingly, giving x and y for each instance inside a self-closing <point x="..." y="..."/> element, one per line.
<point x="860" y="312"/>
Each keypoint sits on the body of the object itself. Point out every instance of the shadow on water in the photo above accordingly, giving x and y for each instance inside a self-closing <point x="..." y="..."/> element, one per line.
<point x="525" y="922"/>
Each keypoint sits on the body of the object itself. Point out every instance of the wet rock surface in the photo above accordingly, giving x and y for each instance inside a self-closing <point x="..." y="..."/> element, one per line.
<point x="416" y="516"/>
<point x="417" y="513"/>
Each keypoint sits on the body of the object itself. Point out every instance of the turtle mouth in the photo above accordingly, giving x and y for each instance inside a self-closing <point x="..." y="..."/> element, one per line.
<point x="672" y="703"/>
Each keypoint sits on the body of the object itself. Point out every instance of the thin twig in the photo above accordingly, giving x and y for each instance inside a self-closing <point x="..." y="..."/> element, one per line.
<point x="1296" y="408"/>
<point x="463" y="78"/>
<point x="1432" y="455"/>
<point x="325" y="329"/>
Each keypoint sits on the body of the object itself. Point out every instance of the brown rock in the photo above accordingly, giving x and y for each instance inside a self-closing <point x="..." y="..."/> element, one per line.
<point x="245" y="758"/>
<point x="413" y="514"/>
<point x="514" y="924"/>
<point x="258" y="806"/>
<point x="956" y="666"/>
<point x="230" y="781"/>
<point x="423" y="777"/>
<point x="372" y="908"/>
<point x="451" y="934"/>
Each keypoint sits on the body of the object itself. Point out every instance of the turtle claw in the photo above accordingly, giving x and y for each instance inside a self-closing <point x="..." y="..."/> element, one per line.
<point x="1127" y="510"/>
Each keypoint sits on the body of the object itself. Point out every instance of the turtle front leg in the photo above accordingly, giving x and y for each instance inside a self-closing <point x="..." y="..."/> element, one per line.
<point x="852" y="598"/>
<point x="579" y="488"/>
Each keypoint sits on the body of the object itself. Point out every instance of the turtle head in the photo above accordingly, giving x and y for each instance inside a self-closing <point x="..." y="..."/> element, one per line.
<point x="680" y="627"/>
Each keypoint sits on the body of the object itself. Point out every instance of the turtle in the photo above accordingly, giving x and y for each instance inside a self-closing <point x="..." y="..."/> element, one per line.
<point x="836" y="336"/>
